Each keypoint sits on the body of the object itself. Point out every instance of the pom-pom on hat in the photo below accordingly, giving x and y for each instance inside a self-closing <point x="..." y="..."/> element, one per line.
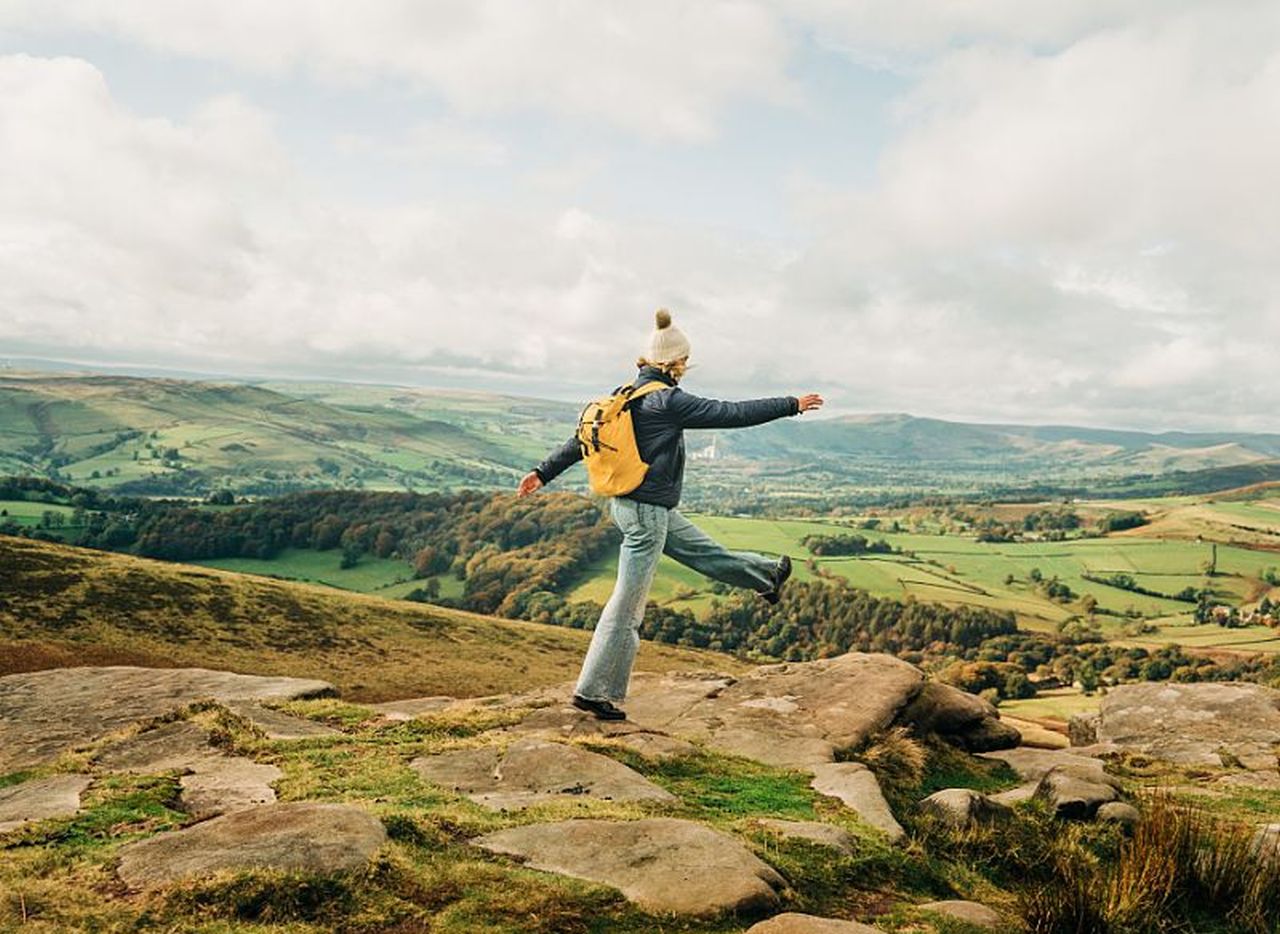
<point x="667" y="343"/>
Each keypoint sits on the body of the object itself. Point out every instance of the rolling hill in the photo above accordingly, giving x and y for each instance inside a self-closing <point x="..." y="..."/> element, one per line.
<point x="63" y="606"/>
<point x="163" y="436"/>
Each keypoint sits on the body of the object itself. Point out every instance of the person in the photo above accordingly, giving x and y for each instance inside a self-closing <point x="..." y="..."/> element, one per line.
<point x="647" y="516"/>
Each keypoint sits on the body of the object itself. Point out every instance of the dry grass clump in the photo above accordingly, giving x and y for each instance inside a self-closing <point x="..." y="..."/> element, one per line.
<point x="897" y="757"/>
<point x="1180" y="870"/>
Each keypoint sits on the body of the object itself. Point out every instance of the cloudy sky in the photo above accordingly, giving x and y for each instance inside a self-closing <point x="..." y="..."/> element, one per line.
<point x="997" y="209"/>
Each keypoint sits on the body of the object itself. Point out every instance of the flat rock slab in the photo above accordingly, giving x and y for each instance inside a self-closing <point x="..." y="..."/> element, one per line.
<point x="411" y="707"/>
<point x="215" y="783"/>
<point x="973" y="913"/>
<point x="661" y="864"/>
<point x="564" y="722"/>
<point x="279" y="725"/>
<point x="1032" y="764"/>
<point x="179" y="744"/>
<point x="828" y="835"/>
<point x="40" y="798"/>
<point x="1259" y="778"/>
<point x="793" y="715"/>
<point x="302" y="836"/>
<point x="793" y="923"/>
<point x="1194" y="724"/>
<point x="856" y="786"/>
<point x="1037" y="735"/>
<point x="44" y="713"/>
<point x="531" y="771"/>
<point x="230" y="784"/>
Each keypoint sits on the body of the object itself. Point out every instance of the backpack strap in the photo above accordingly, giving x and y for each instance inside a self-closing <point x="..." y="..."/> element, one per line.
<point x="634" y="392"/>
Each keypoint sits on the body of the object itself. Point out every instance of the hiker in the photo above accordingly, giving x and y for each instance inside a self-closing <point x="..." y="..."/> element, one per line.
<point x="646" y="514"/>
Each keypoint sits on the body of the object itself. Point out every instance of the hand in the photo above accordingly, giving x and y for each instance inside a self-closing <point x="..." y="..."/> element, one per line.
<point x="528" y="483"/>
<point x="811" y="401"/>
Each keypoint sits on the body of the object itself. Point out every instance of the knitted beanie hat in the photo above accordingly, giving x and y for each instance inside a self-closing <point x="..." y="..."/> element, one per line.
<point x="667" y="343"/>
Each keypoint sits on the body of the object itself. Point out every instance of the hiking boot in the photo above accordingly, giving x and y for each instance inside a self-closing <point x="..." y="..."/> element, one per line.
<point x="779" y="578"/>
<point x="601" y="709"/>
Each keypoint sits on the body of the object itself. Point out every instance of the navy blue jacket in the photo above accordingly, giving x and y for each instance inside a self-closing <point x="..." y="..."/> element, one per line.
<point x="659" y="420"/>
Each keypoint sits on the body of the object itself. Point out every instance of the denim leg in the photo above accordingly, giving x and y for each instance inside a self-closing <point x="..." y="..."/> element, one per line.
<point x="606" y="670"/>
<point x="694" y="548"/>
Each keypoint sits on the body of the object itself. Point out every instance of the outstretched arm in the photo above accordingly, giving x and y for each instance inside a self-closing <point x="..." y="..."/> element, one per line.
<point x="557" y="462"/>
<point x="697" y="412"/>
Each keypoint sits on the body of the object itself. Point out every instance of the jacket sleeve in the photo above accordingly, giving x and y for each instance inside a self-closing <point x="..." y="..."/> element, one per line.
<point x="696" y="412"/>
<point x="559" y="460"/>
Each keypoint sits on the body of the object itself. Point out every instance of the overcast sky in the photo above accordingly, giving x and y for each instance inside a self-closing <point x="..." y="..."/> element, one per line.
<point x="994" y="209"/>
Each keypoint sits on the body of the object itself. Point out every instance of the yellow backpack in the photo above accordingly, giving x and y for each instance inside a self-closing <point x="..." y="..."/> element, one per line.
<point x="608" y="441"/>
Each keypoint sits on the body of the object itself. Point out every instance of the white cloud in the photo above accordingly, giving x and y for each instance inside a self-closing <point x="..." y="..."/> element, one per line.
<point x="197" y="240"/>
<point x="1077" y="215"/>
<point x="893" y="34"/>
<point x="1092" y="224"/>
<point x="438" y="141"/>
<point x="661" y="69"/>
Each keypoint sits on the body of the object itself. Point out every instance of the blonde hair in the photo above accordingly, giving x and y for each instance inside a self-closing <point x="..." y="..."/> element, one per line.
<point x="675" y="369"/>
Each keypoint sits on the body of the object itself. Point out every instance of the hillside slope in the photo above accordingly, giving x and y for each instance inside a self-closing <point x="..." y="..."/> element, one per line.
<point x="174" y="436"/>
<point x="156" y="436"/>
<point x="70" y="606"/>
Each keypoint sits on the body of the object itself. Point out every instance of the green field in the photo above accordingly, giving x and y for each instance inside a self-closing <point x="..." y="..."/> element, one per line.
<point x="385" y="577"/>
<point x="31" y="514"/>
<point x="961" y="570"/>
<point x="1053" y="704"/>
<point x="175" y="437"/>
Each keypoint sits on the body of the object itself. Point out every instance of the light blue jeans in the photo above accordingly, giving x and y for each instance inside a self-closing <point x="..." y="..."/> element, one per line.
<point x="648" y="531"/>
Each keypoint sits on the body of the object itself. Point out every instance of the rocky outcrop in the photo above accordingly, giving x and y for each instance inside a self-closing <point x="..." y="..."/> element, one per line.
<point x="856" y="786"/>
<point x="40" y="798"/>
<point x="1074" y="786"/>
<point x="793" y="923"/>
<point x="1082" y="728"/>
<point x="531" y="771"/>
<point x="1215" y="724"/>
<point x="302" y="836"/>
<point x="793" y="715"/>
<point x="1117" y="812"/>
<point x="662" y="864"/>
<point x="1032" y="764"/>
<point x="963" y="719"/>
<point x="45" y="713"/>
<point x="1074" y="796"/>
<point x="963" y="807"/>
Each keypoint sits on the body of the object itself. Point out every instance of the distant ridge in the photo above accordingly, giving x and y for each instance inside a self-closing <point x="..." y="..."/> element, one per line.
<point x="170" y="436"/>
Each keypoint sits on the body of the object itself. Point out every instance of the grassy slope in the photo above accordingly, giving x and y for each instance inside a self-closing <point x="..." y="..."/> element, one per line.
<point x="257" y="435"/>
<point x="239" y="429"/>
<point x="58" y="874"/>
<point x="385" y="577"/>
<point x="69" y="606"/>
